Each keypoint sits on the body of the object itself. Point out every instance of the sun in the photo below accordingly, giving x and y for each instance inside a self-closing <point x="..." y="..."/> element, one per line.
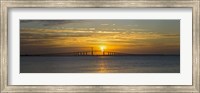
<point x="102" y="47"/>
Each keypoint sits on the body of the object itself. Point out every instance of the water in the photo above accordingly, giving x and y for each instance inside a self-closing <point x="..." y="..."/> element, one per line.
<point x="100" y="64"/>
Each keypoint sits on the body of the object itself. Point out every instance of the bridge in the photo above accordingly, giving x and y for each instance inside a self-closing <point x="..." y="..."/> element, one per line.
<point x="91" y="52"/>
<point x="87" y="53"/>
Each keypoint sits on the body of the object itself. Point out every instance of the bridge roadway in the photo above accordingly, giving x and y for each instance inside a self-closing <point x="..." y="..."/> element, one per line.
<point x="83" y="53"/>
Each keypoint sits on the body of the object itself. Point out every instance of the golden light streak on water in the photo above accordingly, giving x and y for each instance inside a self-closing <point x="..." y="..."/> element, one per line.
<point x="103" y="68"/>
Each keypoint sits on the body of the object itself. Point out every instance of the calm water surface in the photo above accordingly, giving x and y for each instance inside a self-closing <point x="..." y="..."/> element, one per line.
<point x="100" y="64"/>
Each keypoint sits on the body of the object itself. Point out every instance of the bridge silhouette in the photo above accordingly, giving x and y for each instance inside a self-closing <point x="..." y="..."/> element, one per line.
<point x="94" y="53"/>
<point x="88" y="52"/>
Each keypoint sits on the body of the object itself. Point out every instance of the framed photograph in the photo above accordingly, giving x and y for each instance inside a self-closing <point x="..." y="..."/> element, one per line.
<point x="99" y="46"/>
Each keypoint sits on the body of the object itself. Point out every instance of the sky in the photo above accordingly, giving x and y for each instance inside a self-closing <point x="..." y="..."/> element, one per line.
<point x="123" y="36"/>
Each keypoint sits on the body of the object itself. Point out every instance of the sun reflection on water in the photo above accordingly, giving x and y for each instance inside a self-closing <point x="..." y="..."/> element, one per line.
<point x="103" y="68"/>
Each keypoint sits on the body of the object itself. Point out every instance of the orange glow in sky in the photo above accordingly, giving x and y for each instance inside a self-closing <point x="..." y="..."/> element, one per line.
<point x="123" y="36"/>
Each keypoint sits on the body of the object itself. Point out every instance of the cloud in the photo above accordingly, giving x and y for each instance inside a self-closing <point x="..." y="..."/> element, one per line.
<point x="51" y="22"/>
<point x="104" y="24"/>
<point x="139" y="29"/>
<point x="107" y="32"/>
